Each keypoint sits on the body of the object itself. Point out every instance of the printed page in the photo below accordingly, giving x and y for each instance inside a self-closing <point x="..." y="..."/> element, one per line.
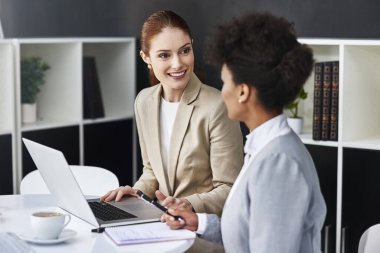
<point x="148" y="232"/>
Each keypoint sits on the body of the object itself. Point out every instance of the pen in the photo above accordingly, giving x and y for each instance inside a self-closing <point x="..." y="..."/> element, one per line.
<point x="156" y="204"/>
<point x="97" y="230"/>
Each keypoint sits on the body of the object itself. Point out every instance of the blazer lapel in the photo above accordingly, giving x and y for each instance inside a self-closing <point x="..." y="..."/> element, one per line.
<point x="180" y="126"/>
<point x="155" y="140"/>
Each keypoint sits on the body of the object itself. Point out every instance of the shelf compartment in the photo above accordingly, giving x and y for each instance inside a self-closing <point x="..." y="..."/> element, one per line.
<point x="321" y="52"/>
<point x="6" y="164"/>
<point x="115" y="63"/>
<point x="60" y="97"/>
<point x="102" y="149"/>
<point x="361" y="77"/>
<point x="64" y="139"/>
<point x="360" y="205"/>
<point x="308" y="139"/>
<point x="372" y="143"/>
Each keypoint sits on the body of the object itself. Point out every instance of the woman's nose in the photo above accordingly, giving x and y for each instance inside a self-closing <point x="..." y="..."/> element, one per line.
<point x="177" y="62"/>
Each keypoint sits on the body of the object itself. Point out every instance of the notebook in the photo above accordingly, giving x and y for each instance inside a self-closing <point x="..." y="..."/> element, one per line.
<point x="145" y="233"/>
<point x="60" y="181"/>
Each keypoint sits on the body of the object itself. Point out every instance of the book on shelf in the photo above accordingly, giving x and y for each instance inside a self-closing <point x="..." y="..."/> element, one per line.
<point x="146" y="233"/>
<point x="334" y="101"/>
<point x="317" y="100"/>
<point x="326" y="101"/>
<point x="92" y="97"/>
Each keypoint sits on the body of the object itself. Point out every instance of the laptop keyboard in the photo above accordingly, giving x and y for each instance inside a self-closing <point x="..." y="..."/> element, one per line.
<point x="107" y="212"/>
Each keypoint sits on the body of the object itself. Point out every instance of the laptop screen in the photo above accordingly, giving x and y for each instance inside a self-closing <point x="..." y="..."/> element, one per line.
<point x="60" y="180"/>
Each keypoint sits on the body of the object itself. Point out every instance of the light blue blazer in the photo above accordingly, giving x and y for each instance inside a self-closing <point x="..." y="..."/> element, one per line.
<point x="277" y="206"/>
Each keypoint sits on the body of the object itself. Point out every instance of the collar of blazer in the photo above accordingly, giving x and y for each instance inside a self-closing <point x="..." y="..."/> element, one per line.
<point x="192" y="90"/>
<point x="180" y="126"/>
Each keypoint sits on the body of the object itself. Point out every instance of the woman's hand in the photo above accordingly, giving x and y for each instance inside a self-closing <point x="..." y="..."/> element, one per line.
<point x="187" y="220"/>
<point x="118" y="193"/>
<point x="174" y="203"/>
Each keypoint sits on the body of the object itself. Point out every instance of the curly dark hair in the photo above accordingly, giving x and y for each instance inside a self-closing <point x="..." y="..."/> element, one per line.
<point x="262" y="50"/>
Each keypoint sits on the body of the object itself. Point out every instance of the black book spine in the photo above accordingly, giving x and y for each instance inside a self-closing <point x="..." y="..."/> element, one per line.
<point x="92" y="98"/>
<point x="326" y="101"/>
<point x="317" y="109"/>
<point x="334" y="101"/>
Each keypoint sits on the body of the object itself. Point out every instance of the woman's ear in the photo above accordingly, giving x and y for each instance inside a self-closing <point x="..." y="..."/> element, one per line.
<point x="145" y="58"/>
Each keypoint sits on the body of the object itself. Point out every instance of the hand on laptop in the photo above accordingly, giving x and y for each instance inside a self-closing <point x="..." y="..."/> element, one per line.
<point x="173" y="203"/>
<point x="119" y="193"/>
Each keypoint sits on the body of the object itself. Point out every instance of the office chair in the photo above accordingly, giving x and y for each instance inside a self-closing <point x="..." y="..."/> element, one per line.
<point x="370" y="240"/>
<point x="92" y="180"/>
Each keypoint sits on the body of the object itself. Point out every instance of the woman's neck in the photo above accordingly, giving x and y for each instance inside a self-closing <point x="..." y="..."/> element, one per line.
<point x="258" y="117"/>
<point x="171" y="95"/>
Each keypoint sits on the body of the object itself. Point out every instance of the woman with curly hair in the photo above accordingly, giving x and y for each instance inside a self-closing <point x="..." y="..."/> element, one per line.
<point x="276" y="204"/>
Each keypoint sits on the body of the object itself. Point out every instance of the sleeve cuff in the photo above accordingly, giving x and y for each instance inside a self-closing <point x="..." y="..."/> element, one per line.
<point x="197" y="205"/>
<point x="202" y="223"/>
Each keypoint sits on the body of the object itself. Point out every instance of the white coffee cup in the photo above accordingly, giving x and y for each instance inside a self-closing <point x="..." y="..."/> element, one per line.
<point x="48" y="225"/>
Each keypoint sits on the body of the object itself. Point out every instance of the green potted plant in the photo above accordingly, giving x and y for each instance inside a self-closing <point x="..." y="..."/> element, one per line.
<point x="294" y="120"/>
<point x="32" y="78"/>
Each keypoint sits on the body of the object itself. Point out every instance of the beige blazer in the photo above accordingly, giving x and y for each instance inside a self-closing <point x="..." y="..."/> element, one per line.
<point x="206" y="147"/>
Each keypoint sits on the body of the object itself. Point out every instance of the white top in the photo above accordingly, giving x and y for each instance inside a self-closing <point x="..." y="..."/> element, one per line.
<point x="168" y="111"/>
<point x="256" y="141"/>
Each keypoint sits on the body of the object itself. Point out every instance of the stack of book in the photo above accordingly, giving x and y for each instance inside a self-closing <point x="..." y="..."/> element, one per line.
<point x="326" y="100"/>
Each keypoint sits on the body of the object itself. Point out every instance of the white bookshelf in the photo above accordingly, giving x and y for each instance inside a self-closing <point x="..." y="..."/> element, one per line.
<point x="359" y="103"/>
<point x="7" y="112"/>
<point x="6" y="88"/>
<point x="359" y="87"/>
<point x="60" y="101"/>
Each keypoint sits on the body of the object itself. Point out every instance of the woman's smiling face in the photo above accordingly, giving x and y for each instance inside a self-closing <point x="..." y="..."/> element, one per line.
<point x="171" y="57"/>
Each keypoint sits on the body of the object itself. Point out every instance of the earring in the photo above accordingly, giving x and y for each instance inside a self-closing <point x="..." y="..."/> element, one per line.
<point x="240" y="101"/>
<point x="149" y="66"/>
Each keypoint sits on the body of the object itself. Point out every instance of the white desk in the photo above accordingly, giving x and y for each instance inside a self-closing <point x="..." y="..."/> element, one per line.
<point x="16" y="210"/>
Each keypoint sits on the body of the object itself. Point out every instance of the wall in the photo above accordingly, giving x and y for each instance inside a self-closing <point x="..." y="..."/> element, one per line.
<point x="313" y="18"/>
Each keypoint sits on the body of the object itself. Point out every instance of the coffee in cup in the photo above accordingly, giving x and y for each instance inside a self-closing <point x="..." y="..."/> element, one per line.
<point x="48" y="225"/>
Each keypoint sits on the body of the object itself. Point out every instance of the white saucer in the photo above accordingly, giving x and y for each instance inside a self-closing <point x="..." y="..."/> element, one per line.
<point x="64" y="236"/>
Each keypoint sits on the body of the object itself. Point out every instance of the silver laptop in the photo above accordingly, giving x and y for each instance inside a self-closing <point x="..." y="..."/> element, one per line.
<point x="63" y="186"/>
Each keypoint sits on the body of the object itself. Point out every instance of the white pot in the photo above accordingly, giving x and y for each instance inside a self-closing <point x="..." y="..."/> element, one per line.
<point x="29" y="113"/>
<point x="296" y="124"/>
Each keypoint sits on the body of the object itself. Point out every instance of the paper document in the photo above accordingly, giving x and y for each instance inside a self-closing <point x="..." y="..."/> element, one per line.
<point x="147" y="232"/>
